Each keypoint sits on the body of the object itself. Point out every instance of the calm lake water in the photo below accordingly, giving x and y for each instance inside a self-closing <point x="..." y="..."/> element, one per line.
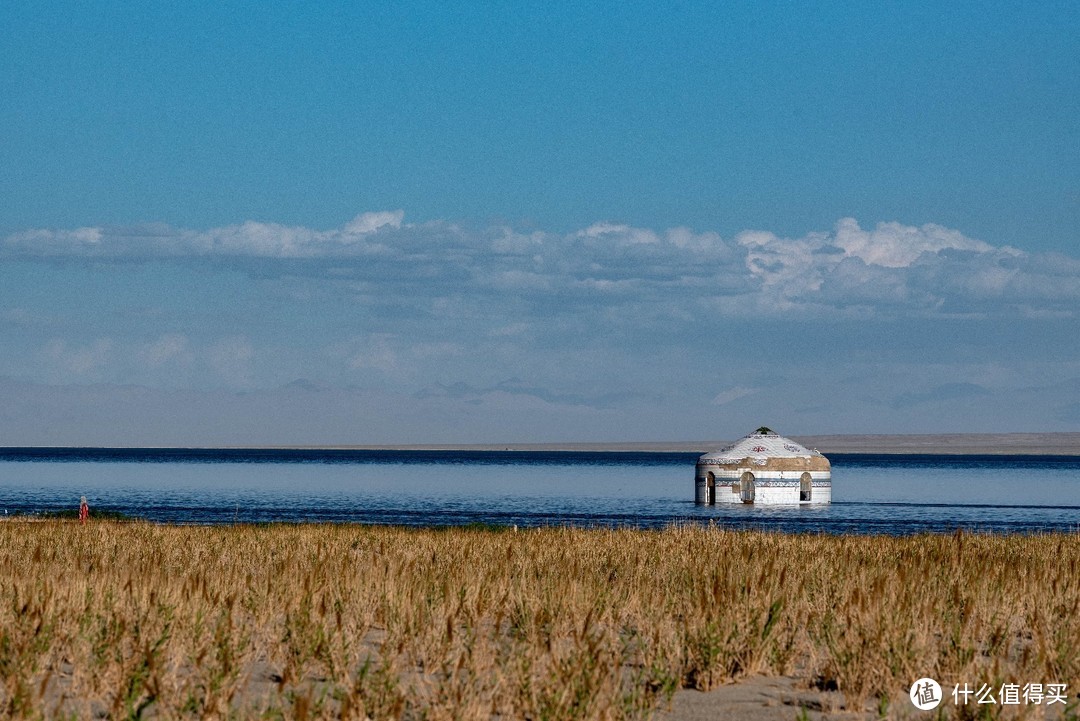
<point x="871" y="494"/>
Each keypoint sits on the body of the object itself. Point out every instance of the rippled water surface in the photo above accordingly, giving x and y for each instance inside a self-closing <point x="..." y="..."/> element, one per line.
<point x="871" y="494"/>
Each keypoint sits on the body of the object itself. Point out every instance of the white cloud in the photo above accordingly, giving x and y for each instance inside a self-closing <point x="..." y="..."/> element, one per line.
<point x="370" y="222"/>
<point x="510" y="243"/>
<point x="613" y="271"/>
<point x="262" y="239"/>
<point x="50" y="242"/>
<point x="894" y="245"/>
<point x="789" y="269"/>
<point x="619" y="234"/>
<point x="687" y="239"/>
<point x="248" y="239"/>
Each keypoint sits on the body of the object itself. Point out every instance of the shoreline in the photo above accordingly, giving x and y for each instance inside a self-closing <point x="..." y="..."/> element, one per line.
<point x="959" y="444"/>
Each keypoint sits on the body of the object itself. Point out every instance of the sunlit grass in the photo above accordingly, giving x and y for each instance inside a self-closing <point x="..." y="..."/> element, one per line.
<point x="357" y="621"/>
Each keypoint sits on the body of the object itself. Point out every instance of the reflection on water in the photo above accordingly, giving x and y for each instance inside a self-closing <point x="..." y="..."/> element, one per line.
<point x="871" y="494"/>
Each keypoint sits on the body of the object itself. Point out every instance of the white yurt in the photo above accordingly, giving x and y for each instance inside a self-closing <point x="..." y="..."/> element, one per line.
<point x="764" y="467"/>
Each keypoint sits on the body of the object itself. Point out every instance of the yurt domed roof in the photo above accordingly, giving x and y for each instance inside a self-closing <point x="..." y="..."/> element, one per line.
<point x="766" y="447"/>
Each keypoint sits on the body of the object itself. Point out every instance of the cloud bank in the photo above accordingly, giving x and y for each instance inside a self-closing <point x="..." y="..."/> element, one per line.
<point x="676" y="274"/>
<point x="439" y="332"/>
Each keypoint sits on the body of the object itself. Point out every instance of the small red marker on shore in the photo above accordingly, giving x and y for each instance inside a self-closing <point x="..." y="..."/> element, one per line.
<point x="84" y="510"/>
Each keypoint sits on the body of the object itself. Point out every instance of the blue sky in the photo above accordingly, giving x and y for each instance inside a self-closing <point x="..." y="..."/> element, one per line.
<point x="363" y="223"/>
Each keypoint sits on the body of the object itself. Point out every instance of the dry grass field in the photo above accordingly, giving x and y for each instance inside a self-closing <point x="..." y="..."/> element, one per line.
<point x="316" y="621"/>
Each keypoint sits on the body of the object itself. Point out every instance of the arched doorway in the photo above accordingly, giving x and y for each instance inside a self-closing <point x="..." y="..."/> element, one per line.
<point x="747" y="485"/>
<point x="806" y="488"/>
<point x="710" y="489"/>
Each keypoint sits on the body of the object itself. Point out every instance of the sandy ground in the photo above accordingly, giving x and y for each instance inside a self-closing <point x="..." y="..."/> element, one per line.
<point x="785" y="698"/>
<point x="755" y="698"/>
<point x="759" y="698"/>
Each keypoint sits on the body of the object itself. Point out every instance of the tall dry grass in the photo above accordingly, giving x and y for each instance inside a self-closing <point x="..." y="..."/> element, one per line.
<point x="131" y="620"/>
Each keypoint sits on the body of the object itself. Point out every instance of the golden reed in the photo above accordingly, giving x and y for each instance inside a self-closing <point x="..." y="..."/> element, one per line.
<point x="346" y="621"/>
